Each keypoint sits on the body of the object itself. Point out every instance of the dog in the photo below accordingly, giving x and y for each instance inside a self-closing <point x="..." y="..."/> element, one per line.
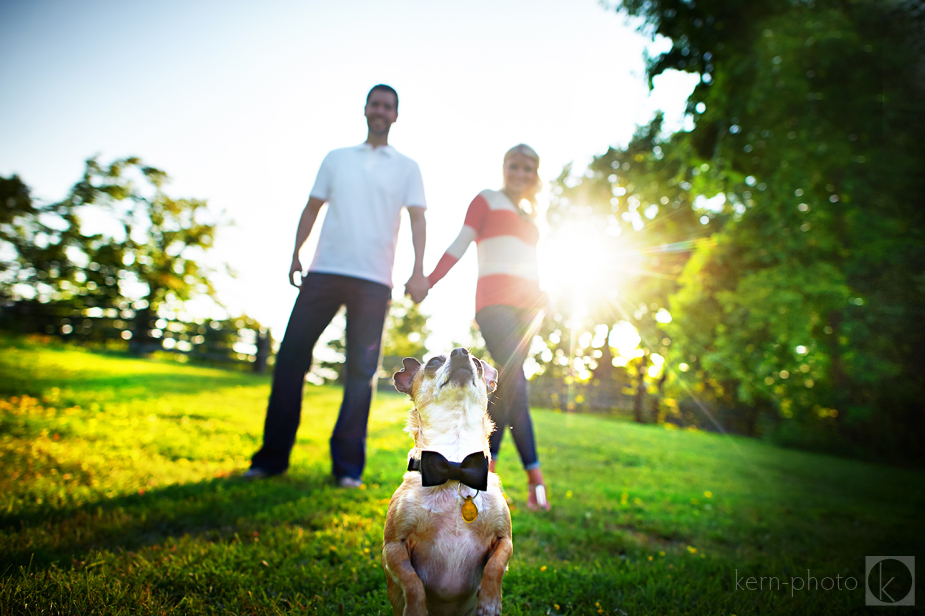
<point x="447" y="537"/>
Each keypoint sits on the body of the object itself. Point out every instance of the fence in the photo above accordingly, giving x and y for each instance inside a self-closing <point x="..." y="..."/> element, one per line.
<point x="244" y="343"/>
<point x="594" y="396"/>
<point x="233" y="341"/>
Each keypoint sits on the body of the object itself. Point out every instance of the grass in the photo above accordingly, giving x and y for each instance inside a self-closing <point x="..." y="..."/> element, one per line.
<point x="118" y="496"/>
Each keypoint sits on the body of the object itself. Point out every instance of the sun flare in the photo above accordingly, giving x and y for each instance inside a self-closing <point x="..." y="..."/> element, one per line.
<point x="581" y="266"/>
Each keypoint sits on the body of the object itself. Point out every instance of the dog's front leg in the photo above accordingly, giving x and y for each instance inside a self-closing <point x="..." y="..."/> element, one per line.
<point x="397" y="557"/>
<point x="490" y="590"/>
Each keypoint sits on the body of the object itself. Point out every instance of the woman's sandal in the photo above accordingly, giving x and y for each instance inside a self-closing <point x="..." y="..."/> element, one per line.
<point x="536" y="500"/>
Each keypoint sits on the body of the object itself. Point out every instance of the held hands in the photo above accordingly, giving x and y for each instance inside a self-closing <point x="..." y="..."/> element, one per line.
<point x="295" y="267"/>
<point x="417" y="287"/>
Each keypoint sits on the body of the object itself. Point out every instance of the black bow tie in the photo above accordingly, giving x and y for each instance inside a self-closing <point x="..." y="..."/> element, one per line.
<point x="437" y="470"/>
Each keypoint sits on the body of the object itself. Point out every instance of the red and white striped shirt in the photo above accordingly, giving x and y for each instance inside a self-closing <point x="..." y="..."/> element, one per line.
<point x="506" y="243"/>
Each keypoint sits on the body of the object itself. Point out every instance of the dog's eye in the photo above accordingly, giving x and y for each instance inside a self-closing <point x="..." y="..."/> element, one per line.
<point x="434" y="362"/>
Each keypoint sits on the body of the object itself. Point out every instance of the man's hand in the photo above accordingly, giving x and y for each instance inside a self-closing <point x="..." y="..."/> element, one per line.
<point x="295" y="267"/>
<point x="306" y="222"/>
<point x="417" y="287"/>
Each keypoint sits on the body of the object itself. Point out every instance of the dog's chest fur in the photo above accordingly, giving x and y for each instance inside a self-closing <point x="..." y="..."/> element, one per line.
<point x="449" y="553"/>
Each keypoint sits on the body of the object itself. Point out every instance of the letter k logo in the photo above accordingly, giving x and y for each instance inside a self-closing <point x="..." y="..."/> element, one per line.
<point x="890" y="580"/>
<point x="882" y="585"/>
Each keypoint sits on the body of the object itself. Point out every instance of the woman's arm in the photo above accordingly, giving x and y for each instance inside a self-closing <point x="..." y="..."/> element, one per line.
<point x="475" y="217"/>
<point x="453" y="254"/>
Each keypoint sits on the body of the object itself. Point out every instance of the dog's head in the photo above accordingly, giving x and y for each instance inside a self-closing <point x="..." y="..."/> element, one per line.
<point x="450" y="395"/>
<point x="446" y="378"/>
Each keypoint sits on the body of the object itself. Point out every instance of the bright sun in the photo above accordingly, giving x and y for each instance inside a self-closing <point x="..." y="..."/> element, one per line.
<point x="585" y="270"/>
<point x="581" y="266"/>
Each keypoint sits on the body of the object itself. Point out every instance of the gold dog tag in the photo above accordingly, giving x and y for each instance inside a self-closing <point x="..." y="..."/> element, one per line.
<point x="469" y="510"/>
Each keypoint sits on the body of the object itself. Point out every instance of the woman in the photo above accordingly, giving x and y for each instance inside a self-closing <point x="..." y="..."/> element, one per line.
<point x="508" y="301"/>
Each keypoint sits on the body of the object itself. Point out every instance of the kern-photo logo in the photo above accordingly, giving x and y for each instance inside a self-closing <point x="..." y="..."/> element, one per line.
<point x="890" y="580"/>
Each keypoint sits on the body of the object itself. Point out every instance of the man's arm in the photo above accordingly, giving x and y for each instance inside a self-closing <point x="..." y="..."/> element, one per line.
<point x="417" y="286"/>
<point x="306" y="222"/>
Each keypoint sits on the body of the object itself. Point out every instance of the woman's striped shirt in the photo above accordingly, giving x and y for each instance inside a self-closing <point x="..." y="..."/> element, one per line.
<point x="506" y="242"/>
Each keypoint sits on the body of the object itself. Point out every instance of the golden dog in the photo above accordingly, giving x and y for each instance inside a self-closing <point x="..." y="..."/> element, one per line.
<point x="447" y="536"/>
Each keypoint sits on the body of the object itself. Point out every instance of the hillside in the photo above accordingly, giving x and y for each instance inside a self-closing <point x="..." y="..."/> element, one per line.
<point x="119" y="496"/>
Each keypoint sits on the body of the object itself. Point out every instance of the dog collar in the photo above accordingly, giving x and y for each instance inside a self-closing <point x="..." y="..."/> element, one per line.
<point x="436" y="470"/>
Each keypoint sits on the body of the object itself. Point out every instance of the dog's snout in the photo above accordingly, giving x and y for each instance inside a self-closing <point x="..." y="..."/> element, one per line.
<point x="461" y="369"/>
<point x="459" y="357"/>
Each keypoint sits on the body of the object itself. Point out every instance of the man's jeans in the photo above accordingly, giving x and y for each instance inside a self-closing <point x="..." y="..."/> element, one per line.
<point x="320" y="298"/>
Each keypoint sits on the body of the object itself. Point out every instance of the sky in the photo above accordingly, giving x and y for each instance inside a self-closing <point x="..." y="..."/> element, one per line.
<point x="239" y="102"/>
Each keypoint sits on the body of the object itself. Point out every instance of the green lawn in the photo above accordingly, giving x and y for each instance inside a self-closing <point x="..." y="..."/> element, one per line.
<point x="118" y="495"/>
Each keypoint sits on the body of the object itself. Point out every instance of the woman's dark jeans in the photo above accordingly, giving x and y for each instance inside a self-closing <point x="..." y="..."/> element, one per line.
<point x="508" y="332"/>
<point x="320" y="297"/>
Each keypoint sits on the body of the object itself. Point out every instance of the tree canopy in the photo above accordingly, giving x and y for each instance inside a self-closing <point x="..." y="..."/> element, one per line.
<point x="117" y="237"/>
<point x="783" y="232"/>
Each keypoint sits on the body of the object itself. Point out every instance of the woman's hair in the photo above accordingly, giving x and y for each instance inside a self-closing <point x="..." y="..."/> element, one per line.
<point x="525" y="150"/>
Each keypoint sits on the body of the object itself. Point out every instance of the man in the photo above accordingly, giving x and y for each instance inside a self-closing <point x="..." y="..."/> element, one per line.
<point x="365" y="187"/>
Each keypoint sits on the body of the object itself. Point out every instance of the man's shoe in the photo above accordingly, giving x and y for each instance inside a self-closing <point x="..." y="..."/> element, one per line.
<point x="349" y="482"/>
<point x="254" y="473"/>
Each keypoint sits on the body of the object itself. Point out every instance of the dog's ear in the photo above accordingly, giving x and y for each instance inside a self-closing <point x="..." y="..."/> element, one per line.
<point x="490" y="375"/>
<point x="405" y="377"/>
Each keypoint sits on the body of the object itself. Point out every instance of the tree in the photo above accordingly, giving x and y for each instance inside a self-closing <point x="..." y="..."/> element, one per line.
<point x="808" y="124"/>
<point x="406" y="330"/>
<point x="37" y="236"/>
<point x="148" y="252"/>
<point x="638" y="200"/>
<point x="161" y="240"/>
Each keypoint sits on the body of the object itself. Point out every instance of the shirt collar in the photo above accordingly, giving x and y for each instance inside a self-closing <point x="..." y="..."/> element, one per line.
<point x="385" y="149"/>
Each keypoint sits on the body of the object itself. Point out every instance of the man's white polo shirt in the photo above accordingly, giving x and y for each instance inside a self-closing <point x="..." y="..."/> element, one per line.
<point x="365" y="189"/>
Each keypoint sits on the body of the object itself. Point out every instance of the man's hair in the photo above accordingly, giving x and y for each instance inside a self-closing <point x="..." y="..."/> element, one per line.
<point x="384" y="88"/>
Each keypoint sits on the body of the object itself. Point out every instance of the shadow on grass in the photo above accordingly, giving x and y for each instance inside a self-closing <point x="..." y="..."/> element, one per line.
<point x="217" y="510"/>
